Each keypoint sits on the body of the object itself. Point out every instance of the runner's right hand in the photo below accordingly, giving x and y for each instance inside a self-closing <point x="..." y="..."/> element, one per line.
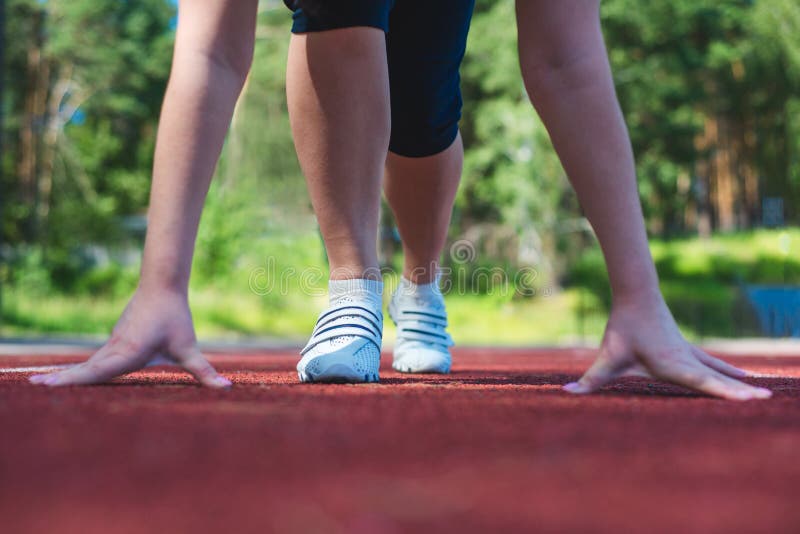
<point x="155" y="328"/>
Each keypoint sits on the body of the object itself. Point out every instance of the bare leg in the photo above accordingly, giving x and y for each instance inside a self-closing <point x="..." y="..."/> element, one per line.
<point x="337" y="88"/>
<point x="421" y="192"/>
<point x="568" y="77"/>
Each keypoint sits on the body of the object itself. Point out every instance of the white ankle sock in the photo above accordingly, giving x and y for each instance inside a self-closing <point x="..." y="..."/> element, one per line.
<point x="355" y="289"/>
<point x="424" y="294"/>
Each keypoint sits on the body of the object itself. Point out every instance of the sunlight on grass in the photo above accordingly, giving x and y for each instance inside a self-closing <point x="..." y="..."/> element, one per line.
<point x="699" y="279"/>
<point x="474" y="319"/>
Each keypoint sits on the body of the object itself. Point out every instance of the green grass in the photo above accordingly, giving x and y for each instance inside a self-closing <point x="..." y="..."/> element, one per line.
<point x="762" y="256"/>
<point x="486" y="320"/>
<point x="223" y="315"/>
<point x="700" y="280"/>
<point x="58" y="314"/>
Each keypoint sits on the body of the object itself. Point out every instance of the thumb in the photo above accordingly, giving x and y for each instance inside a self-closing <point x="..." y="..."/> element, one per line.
<point x="196" y="364"/>
<point x="599" y="374"/>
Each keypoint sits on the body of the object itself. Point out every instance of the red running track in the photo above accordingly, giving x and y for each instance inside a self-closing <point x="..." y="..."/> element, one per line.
<point x="496" y="446"/>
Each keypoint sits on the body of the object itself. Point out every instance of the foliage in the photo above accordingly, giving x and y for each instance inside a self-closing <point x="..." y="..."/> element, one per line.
<point x="702" y="279"/>
<point x="86" y="82"/>
<point x="709" y="89"/>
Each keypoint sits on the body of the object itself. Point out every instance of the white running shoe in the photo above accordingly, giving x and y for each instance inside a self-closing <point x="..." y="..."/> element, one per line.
<point x="423" y="344"/>
<point x="345" y="345"/>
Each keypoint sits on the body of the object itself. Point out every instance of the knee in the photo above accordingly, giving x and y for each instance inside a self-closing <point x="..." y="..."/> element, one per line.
<point x="233" y="58"/>
<point x="550" y="74"/>
<point x="226" y="58"/>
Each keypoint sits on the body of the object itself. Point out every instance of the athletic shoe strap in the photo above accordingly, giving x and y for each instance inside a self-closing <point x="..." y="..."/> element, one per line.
<point x="416" y="331"/>
<point x="353" y="313"/>
<point x="358" y="309"/>
<point x="422" y="324"/>
<point x="423" y="314"/>
<point x="346" y="320"/>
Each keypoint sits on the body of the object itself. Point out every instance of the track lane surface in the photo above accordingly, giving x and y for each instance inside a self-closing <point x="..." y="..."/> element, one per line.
<point x="494" y="446"/>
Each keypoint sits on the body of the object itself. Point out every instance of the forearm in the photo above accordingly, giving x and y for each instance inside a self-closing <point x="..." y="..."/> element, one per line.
<point x="195" y="117"/>
<point x="589" y="134"/>
<point x="573" y="92"/>
<point x="196" y="113"/>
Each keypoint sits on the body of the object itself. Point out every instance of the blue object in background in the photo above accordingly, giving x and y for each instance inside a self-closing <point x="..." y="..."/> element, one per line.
<point x="777" y="308"/>
<point x="79" y="117"/>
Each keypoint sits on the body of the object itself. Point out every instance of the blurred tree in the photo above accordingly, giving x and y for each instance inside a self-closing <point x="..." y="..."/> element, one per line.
<point x="258" y="192"/>
<point x="86" y="82"/>
<point x="706" y="87"/>
<point x="710" y="91"/>
<point x="512" y="177"/>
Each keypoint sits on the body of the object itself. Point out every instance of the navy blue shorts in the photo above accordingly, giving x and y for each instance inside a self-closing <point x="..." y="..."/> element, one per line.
<point x="425" y="42"/>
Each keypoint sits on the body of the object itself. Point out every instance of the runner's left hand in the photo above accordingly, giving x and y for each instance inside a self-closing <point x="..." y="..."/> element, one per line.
<point x="642" y="339"/>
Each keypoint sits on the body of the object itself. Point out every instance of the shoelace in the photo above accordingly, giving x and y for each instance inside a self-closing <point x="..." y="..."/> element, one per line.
<point x="346" y="320"/>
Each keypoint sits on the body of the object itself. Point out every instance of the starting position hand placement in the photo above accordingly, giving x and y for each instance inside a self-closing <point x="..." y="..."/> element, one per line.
<point x="642" y="339"/>
<point x="153" y="330"/>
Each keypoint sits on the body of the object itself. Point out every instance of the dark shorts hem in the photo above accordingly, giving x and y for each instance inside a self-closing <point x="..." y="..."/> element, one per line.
<point x="311" y="28"/>
<point x="430" y="147"/>
<point x="321" y="15"/>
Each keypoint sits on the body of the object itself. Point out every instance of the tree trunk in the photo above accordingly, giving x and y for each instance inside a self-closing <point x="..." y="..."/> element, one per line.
<point x="724" y="179"/>
<point x="703" y="171"/>
<point x="35" y="106"/>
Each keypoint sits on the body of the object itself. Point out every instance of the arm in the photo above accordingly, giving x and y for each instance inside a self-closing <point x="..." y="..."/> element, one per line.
<point x="568" y="78"/>
<point x="213" y="51"/>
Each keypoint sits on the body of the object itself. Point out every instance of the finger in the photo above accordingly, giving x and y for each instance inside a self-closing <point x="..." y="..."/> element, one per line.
<point x="599" y="374"/>
<point x="43" y="379"/>
<point x="194" y="362"/>
<point x="700" y="378"/>
<point x="48" y="379"/>
<point x="95" y="370"/>
<point x="720" y="385"/>
<point x="719" y="365"/>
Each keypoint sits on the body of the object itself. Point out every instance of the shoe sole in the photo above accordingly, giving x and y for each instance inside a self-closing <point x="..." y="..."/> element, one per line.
<point x="336" y="378"/>
<point x="409" y="370"/>
<point x="440" y="369"/>
<point x="335" y="369"/>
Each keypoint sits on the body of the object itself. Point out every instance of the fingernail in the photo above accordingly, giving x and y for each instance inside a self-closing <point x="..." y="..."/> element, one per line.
<point x="763" y="393"/>
<point x="222" y="381"/>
